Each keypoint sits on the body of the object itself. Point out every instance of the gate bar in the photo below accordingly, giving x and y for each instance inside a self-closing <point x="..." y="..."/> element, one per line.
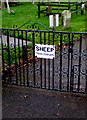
<point x="72" y="71"/>
<point x="9" y="70"/>
<point x="45" y="61"/>
<point x="15" y="57"/>
<point x="68" y="82"/>
<point x="49" y="64"/>
<point x="27" y="60"/>
<point x="60" y="61"/>
<point x="33" y="40"/>
<point x="41" y="62"/>
<point x="53" y="66"/>
<point x="80" y="46"/>
<point x="19" y="57"/>
<point x="23" y="60"/>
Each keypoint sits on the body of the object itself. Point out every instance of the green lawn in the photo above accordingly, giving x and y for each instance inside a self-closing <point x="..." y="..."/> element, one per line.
<point x="28" y="12"/>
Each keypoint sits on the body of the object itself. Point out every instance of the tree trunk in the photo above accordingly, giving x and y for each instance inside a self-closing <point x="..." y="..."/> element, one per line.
<point x="8" y="8"/>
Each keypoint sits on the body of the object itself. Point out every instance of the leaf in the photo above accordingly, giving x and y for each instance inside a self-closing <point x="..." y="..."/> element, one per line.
<point x="58" y="114"/>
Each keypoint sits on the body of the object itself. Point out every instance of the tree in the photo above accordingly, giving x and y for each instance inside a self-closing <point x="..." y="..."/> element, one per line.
<point x="8" y="8"/>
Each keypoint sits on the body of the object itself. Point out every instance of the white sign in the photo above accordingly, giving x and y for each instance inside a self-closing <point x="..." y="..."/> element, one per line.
<point x="83" y="6"/>
<point x="57" y="19"/>
<point x="51" y="20"/>
<point x="45" y="51"/>
<point x="57" y="0"/>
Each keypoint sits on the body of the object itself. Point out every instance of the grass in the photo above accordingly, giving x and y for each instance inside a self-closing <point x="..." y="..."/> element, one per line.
<point x="28" y="12"/>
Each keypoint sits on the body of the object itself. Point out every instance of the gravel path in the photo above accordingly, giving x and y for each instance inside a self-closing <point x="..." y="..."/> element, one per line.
<point x="11" y="41"/>
<point x="22" y="102"/>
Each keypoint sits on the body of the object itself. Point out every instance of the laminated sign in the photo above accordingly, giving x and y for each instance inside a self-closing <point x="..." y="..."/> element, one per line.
<point x="54" y="20"/>
<point x="45" y="51"/>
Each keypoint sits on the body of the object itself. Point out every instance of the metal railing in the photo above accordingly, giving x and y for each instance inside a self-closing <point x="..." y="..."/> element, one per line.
<point x="31" y="26"/>
<point x="66" y="72"/>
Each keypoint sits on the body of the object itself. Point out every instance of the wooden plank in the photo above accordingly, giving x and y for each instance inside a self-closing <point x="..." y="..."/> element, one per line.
<point x="55" y="5"/>
<point x="59" y="9"/>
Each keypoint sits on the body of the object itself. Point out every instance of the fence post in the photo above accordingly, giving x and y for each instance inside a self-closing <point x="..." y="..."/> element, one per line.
<point x="9" y="64"/>
<point x="2" y="53"/>
<point x="86" y="63"/>
<point x="54" y="22"/>
<point x="49" y="9"/>
<point x="38" y="10"/>
<point x="33" y="40"/>
<point x="69" y="5"/>
<point x="72" y="67"/>
<point x="86" y="48"/>
<point x="76" y="7"/>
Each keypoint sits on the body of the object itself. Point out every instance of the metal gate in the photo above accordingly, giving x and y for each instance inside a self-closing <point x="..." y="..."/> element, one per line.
<point x="66" y="72"/>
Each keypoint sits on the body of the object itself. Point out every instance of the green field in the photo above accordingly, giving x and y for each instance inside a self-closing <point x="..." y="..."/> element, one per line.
<point x="28" y="12"/>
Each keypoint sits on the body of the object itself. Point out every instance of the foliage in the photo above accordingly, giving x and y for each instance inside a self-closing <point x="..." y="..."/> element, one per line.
<point x="14" y="55"/>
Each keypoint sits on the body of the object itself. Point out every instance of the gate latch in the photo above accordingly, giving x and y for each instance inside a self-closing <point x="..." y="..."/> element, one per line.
<point x="70" y="50"/>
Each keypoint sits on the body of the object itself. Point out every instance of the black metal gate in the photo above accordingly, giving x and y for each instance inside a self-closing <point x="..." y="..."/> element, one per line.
<point x="66" y="72"/>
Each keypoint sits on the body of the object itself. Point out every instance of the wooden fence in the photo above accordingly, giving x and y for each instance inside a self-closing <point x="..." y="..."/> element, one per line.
<point x="58" y="7"/>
